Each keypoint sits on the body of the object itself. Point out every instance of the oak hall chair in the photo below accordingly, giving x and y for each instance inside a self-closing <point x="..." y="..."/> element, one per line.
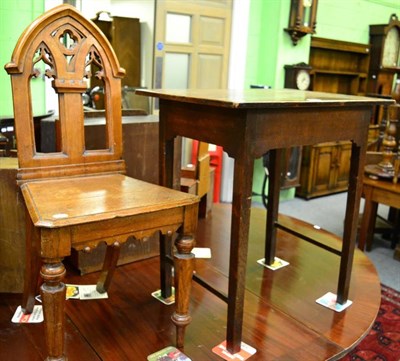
<point x="77" y="198"/>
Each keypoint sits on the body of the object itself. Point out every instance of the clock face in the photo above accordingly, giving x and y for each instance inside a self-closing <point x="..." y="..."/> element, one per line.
<point x="390" y="56"/>
<point x="302" y="79"/>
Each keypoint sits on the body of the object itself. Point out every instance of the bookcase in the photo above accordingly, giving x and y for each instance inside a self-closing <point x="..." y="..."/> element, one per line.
<point x="339" y="66"/>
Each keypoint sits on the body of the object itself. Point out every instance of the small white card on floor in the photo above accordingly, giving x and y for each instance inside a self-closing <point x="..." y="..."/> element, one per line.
<point x="166" y="301"/>
<point x="245" y="352"/>
<point x="35" y="317"/>
<point x="329" y="300"/>
<point x="169" y="353"/>
<point x="84" y="292"/>
<point x="278" y="263"/>
<point x="201" y="252"/>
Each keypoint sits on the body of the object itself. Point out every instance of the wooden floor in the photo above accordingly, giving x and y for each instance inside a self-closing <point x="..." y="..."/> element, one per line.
<point x="282" y="320"/>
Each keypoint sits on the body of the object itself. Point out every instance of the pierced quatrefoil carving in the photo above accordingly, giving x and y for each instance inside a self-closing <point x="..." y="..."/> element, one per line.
<point x="68" y="39"/>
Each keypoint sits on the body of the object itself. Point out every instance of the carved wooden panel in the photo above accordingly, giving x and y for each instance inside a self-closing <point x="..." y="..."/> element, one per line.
<point x="65" y="51"/>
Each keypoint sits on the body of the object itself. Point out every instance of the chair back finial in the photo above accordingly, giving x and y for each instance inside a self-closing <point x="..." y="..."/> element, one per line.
<point x="69" y="47"/>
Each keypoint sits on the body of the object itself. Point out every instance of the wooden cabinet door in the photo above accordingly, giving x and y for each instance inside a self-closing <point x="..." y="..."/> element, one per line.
<point x="323" y="164"/>
<point x="124" y="36"/>
<point x="343" y="165"/>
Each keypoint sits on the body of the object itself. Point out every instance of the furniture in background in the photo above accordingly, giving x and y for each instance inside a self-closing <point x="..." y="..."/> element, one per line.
<point x="247" y="124"/>
<point x="12" y="228"/>
<point x="339" y="66"/>
<point x="78" y="198"/>
<point x="3" y="144"/>
<point x="380" y="185"/>
<point x="385" y="52"/>
<point x="377" y="192"/>
<point x="324" y="169"/>
<point x="7" y="130"/>
<point x="336" y="67"/>
<point x="127" y="49"/>
<point x="196" y="178"/>
<point x="216" y="155"/>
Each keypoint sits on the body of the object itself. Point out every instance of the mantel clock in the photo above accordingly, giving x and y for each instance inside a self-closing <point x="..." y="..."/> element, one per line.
<point x="298" y="76"/>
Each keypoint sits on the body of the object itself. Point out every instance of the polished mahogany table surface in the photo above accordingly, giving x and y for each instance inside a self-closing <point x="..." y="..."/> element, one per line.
<point x="282" y="321"/>
<point x="247" y="124"/>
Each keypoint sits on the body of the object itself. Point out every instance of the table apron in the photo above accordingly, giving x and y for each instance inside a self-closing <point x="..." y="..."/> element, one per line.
<point x="255" y="131"/>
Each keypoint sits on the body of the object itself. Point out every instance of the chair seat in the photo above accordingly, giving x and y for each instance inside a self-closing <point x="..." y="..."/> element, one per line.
<point x="81" y="200"/>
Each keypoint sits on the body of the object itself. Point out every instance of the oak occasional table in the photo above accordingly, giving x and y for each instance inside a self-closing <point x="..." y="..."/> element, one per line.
<point x="247" y="124"/>
<point x="375" y="192"/>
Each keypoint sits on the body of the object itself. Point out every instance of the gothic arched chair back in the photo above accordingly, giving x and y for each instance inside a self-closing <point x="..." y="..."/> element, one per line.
<point x="65" y="47"/>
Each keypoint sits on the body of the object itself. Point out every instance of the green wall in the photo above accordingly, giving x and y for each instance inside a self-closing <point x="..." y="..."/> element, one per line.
<point x="15" y="16"/>
<point x="349" y="20"/>
<point x="270" y="47"/>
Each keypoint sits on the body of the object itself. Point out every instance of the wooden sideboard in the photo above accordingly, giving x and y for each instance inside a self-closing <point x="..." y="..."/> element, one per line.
<point x="12" y="229"/>
<point x="324" y="169"/>
<point x="337" y="67"/>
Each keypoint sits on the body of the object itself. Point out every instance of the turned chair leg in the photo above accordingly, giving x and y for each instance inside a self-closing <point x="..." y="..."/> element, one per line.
<point x="53" y="299"/>
<point x="184" y="266"/>
<point x="166" y="265"/>
<point x="109" y="266"/>
<point x="32" y="266"/>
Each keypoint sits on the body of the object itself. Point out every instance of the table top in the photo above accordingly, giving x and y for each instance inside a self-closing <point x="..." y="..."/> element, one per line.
<point x="261" y="98"/>
<point x="385" y="184"/>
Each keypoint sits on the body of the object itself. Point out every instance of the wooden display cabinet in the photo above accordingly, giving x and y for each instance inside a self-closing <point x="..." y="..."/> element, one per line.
<point x="339" y="66"/>
<point x="336" y="67"/>
<point x="124" y="36"/>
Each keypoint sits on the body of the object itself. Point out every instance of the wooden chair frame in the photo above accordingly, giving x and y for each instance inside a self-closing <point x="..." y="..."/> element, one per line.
<point x="77" y="198"/>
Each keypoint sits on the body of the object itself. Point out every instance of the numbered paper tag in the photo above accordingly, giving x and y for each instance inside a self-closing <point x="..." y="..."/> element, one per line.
<point x="329" y="300"/>
<point x="167" y="301"/>
<point x="84" y="292"/>
<point x="278" y="263"/>
<point x="35" y="317"/>
<point x="169" y="353"/>
<point x="201" y="252"/>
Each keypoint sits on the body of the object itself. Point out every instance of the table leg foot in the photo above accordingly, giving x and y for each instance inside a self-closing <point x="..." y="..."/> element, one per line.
<point x="184" y="266"/>
<point x="180" y="322"/>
